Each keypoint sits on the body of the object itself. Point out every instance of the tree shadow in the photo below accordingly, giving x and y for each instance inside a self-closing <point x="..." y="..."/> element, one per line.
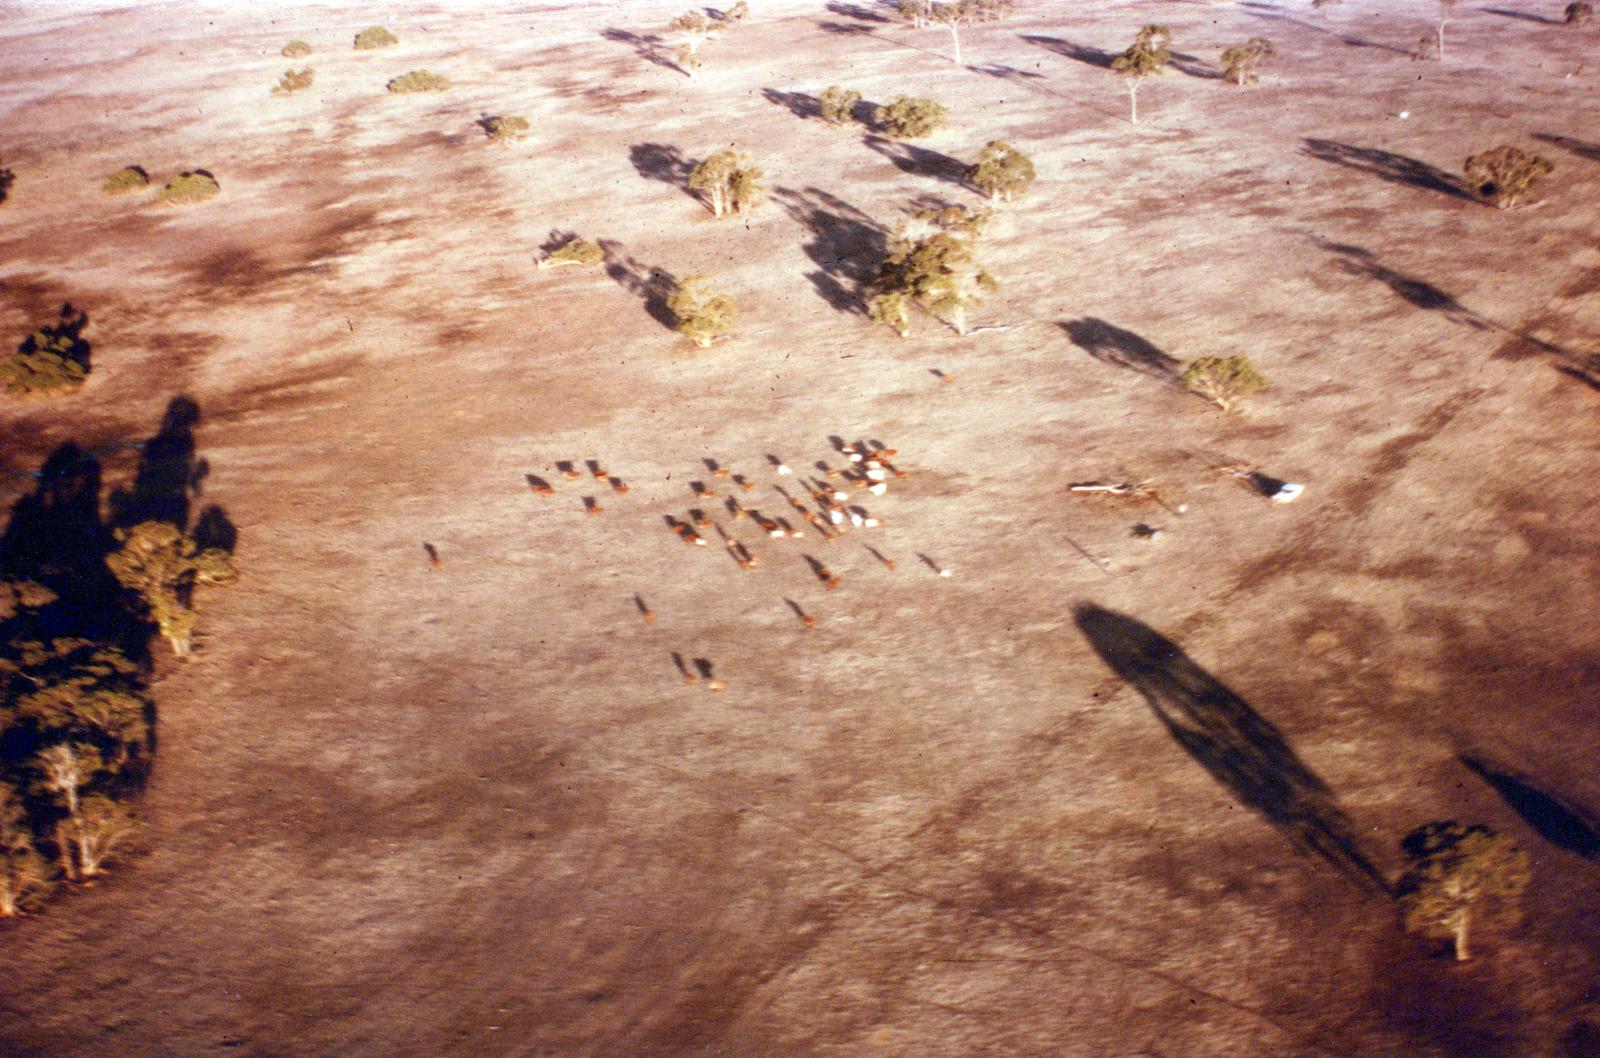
<point x="648" y="47"/>
<point x="858" y="12"/>
<point x="847" y="29"/>
<point x="654" y="285"/>
<point x="1356" y="261"/>
<point x="1557" y="820"/>
<point x="1240" y="748"/>
<point x="1194" y="66"/>
<point x="919" y="161"/>
<point x="1265" y="11"/>
<point x="663" y="162"/>
<point x="64" y="338"/>
<point x="168" y="472"/>
<point x="1083" y="53"/>
<point x="800" y="104"/>
<point x="1006" y="73"/>
<point x="1526" y="16"/>
<point x="1386" y="165"/>
<point x="1591" y="151"/>
<point x="847" y="246"/>
<point x="7" y="178"/>
<point x="1111" y="344"/>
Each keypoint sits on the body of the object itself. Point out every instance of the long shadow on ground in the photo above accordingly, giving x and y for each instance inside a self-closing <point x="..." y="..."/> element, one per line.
<point x="1557" y="820"/>
<point x="1388" y="166"/>
<point x="1239" y="747"/>
<point x="653" y="285"/>
<point x="1113" y="345"/>
<point x="847" y="245"/>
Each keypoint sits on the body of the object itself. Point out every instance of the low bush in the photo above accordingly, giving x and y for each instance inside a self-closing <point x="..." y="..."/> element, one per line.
<point x="1504" y="175"/>
<point x="575" y="252"/>
<point x="296" y="49"/>
<point x="1002" y="172"/>
<point x="1224" y="381"/>
<point x="54" y="360"/>
<point x="375" y="37"/>
<point x="1579" y="12"/>
<point x="505" y="131"/>
<point x="703" y="315"/>
<point x="129" y="178"/>
<point x="418" y="81"/>
<point x="188" y="188"/>
<point x="838" y="105"/>
<point x="293" y="81"/>
<point x="908" y="118"/>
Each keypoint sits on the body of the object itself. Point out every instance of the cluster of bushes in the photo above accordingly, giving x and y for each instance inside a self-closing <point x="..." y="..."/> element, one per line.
<point x="194" y="185"/>
<point x="51" y="361"/>
<point x="294" y="81"/>
<point x="418" y="81"/>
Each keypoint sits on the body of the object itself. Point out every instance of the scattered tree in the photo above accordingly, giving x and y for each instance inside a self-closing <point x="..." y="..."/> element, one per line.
<point x="100" y="826"/>
<point x="1446" y="9"/>
<point x="1504" y="175"/>
<point x="727" y="182"/>
<point x="375" y="37"/>
<point x="1240" y="61"/>
<point x="1578" y="12"/>
<point x="703" y="315"/>
<point x="504" y="131"/>
<point x="1146" y="57"/>
<point x="1460" y="877"/>
<point x="693" y="30"/>
<point x="916" y="12"/>
<point x="52" y="360"/>
<point x="23" y="872"/>
<point x="189" y="187"/>
<point x="296" y="49"/>
<point x="908" y="118"/>
<point x="164" y="567"/>
<point x="735" y="14"/>
<point x="930" y="264"/>
<point x="129" y="178"/>
<point x="838" y="105"/>
<point x="1002" y="172"/>
<point x="418" y="81"/>
<point x="1223" y="381"/>
<point x="293" y="81"/>
<point x="575" y="252"/>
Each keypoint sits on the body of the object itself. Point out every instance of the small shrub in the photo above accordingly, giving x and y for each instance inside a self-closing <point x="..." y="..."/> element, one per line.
<point x="1002" y="172"/>
<point x="1224" y="381"/>
<point x="575" y="252"/>
<point x="505" y="131"/>
<point x="418" y="81"/>
<point x="52" y="361"/>
<point x="1579" y="12"/>
<point x="1240" y="61"/>
<point x="124" y="180"/>
<point x="838" y="105"/>
<point x="703" y="315"/>
<point x="188" y="188"/>
<point x="7" y="178"/>
<point x="375" y="37"/>
<point x="1504" y="175"/>
<point x="908" y="118"/>
<point x="297" y="49"/>
<point x="293" y="81"/>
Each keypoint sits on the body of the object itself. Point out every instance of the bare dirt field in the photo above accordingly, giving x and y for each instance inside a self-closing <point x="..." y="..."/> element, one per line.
<point x="1090" y="795"/>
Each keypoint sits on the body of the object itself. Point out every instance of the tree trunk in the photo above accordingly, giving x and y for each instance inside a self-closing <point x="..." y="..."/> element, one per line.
<point x="1441" y="39"/>
<point x="958" y="320"/>
<point x="1463" y="953"/>
<point x="8" y="898"/>
<point x="1133" y="100"/>
<point x="955" y="41"/>
<point x="64" y="854"/>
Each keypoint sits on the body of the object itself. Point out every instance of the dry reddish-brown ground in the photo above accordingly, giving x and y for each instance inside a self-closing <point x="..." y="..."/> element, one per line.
<point x="475" y="811"/>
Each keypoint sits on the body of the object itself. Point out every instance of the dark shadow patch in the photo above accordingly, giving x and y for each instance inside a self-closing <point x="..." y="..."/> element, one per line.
<point x="1558" y="820"/>
<point x="663" y="162"/>
<point x="800" y="104"/>
<point x="847" y="246"/>
<point x="1239" y="747"/>
<point x="1006" y="73"/>
<point x="168" y="472"/>
<point x="847" y="29"/>
<point x="1581" y="148"/>
<point x="1194" y="66"/>
<point x="858" y="12"/>
<point x="920" y="161"/>
<point x="64" y="338"/>
<point x="1388" y="166"/>
<point x="1111" y="344"/>
<point x="1525" y="16"/>
<point x="1350" y="40"/>
<point x="653" y="285"/>
<point x="1353" y="260"/>
<point x="1084" y="53"/>
<point x="649" y="47"/>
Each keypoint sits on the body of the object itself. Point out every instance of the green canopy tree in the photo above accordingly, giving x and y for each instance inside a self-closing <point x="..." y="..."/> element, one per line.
<point x="692" y="29"/>
<point x="1224" y="381"/>
<point x="930" y="264"/>
<point x="703" y="314"/>
<point x="1002" y="172"/>
<point x="727" y="182"/>
<point x="1504" y="175"/>
<point x="1240" y="61"/>
<point x="1461" y="878"/>
<point x="99" y="828"/>
<point x="838" y="105"/>
<point x="164" y="566"/>
<point x="1147" y="56"/>
<point x="909" y="118"/>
